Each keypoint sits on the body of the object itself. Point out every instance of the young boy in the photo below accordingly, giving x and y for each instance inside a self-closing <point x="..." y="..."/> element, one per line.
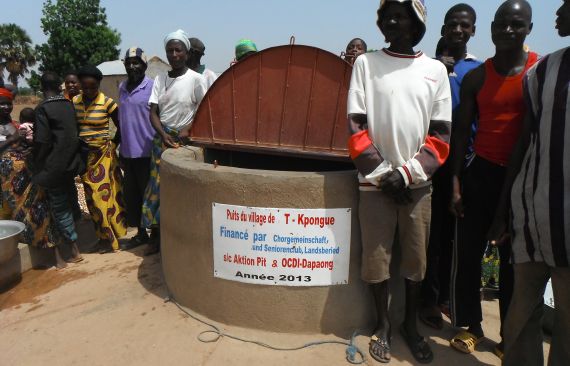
<point x="355" y="48"/>
<point x="399" y="110"/>
<point x="458" y="28"/>
<point x="493" y="93"/>
<point x="197" y="51"/>
<point x="56" y="159"/>
<point x="541" y="244"/>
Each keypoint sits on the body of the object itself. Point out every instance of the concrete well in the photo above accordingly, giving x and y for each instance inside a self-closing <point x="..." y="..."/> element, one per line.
<point x="189" y="187"/>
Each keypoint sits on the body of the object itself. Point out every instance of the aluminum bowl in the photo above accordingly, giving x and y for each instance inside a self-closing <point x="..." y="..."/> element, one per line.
<point x="9" y="239"/>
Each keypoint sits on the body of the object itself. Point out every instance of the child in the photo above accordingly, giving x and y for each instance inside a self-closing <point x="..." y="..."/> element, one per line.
<point x="27" y="119"/>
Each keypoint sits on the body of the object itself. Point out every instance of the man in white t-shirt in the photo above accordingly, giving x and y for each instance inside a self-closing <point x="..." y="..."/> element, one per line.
<point x="173" y="102"/>
<point x="399" y="109"/>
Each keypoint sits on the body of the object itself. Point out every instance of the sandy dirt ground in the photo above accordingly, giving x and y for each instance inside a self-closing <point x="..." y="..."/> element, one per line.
<point x="111" y="310"/>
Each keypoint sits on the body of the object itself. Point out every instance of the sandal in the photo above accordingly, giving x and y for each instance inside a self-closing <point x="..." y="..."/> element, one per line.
<point x="75" y="260"/>
<point x="465" y="342"/>
<point x="418" y="346"/>
<point x="134" y="242"/>
<point x="104" y="247"/>
<point x="379" y="349"/>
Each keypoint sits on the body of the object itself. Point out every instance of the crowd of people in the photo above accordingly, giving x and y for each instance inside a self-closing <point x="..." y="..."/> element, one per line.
<point x="69" y="134"/>
<point x="451" y="153"/>
<point x="456" y="157"/>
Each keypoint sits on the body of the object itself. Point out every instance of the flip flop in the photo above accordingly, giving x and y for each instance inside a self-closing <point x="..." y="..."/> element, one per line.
<point x="75" y="260"/>
<point x="104" y="249"/>
<point x="465" y="342"/>
<point x="134" y="242"/>
<point x="418" y="346"/>
<point x="379" y="349"/>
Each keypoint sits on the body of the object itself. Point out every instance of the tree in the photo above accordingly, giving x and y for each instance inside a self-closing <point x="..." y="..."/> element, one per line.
<point x="78" y="35"/>
<point x="34" y="81"/>
<point x="16" y="52"/>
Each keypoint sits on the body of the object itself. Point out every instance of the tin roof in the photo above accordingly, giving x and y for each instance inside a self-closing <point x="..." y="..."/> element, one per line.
<point x="155" y="65"/>
<point x="112" y="68"/>
<point x="285" y="100"/>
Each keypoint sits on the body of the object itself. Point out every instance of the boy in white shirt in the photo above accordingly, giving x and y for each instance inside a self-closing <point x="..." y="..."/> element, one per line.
<point x="399" y="109"/>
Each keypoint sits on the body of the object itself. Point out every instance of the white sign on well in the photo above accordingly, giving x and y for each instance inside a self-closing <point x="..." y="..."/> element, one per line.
<point x="281" y="246"/>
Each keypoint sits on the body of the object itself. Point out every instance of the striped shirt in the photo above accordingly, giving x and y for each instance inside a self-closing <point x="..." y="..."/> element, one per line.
<point x="93" y="120"/>
<point x="541" y="192"/>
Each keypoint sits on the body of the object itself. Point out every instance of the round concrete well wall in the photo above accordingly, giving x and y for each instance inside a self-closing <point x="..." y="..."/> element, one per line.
<point x="189" y="187"/>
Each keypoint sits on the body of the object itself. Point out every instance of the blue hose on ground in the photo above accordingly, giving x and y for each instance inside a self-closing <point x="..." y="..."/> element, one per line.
<point x="351" y="350"/>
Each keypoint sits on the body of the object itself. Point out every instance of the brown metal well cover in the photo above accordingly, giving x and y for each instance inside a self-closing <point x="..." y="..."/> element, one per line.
<point x="285" y="100"/>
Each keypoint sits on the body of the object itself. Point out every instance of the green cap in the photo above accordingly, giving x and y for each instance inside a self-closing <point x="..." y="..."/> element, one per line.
<point x="244" y="46"/>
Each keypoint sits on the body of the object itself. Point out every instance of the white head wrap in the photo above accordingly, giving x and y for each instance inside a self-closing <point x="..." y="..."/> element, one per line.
<point x="178" y="35"/>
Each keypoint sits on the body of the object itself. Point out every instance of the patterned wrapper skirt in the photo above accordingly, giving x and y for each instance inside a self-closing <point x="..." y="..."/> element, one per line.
<point x="103" y="193"/>
<point x="151" y="201"/>
<point x="23" y="201"/>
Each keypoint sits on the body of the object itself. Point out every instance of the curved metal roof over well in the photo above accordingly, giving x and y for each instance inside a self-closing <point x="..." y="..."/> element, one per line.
<point x="286" y="100"/>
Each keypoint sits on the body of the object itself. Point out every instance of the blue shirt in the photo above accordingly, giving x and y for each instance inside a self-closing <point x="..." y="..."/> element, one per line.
<point x="134" y="119"/>
<point x="461" y="69"/>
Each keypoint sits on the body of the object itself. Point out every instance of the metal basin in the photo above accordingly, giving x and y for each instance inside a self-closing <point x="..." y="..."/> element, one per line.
<point x="9" y="238"/>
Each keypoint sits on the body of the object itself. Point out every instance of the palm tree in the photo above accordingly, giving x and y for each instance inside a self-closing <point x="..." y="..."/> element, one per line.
<point x="16" y="52"/>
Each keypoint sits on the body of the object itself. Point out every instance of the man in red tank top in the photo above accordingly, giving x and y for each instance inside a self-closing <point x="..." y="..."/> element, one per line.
<point x="493" y="93"/>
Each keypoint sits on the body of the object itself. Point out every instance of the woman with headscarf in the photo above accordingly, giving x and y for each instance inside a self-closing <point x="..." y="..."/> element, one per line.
<point x="102" y="179"/>
<point x="173" y="103"/>
<point x="21" y="200"/>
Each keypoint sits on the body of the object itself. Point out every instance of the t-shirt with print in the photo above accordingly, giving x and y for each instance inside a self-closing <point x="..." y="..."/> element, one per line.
<point x="178" y="98"/>
<point x="400" y="95"/>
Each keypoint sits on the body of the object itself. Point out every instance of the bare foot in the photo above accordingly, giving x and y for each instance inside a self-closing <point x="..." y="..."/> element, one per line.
<point x="75" y="254"/>
<point x="59" y="262"/>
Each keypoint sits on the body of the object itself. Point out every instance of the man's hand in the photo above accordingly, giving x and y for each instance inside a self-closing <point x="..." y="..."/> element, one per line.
<point x="392" y="183"/>
<point x="498" y="233"/>
<point x="456" y="205"/>
<point x="448" y="62"/>
<point x="168" y="140"/>
<point x="404" y="197"/>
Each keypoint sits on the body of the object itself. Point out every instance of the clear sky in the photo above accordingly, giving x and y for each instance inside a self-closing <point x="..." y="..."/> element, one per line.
<point x="328" y="24"/>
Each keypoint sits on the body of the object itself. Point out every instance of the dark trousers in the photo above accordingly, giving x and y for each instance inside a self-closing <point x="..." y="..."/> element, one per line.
<point x="61" y="209"/>
<point x="523" y="330"/>
<point x="482" y="185"/>
<point x="435" y="287"/>
<point x="136" y="175"/>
